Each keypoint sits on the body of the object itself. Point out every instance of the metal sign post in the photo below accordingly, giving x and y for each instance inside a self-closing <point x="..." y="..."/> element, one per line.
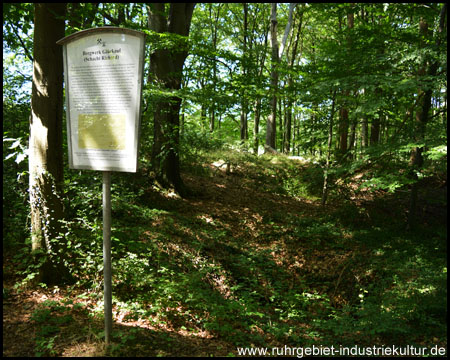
<point x="103" y="81"/>
<point x="107" y="296"/>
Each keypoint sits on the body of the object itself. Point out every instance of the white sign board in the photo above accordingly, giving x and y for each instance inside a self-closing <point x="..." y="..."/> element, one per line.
<point x="103" y="81"/>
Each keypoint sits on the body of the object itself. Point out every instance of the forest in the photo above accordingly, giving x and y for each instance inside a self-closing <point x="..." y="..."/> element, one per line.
<point x="290" y="195"/>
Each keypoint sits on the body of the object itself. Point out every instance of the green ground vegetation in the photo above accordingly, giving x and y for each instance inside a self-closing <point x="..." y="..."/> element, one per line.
<point x="250" y="259"/>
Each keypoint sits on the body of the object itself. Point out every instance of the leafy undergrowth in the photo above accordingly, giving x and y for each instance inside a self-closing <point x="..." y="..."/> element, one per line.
<point x="251" y="259"/>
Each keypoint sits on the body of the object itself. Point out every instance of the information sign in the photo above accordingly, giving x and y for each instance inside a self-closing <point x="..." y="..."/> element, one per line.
<point x="103" y="81"/>
<point x="103" y="78"/>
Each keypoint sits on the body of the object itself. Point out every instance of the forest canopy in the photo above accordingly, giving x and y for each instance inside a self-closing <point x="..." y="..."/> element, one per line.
<point x="372" y="61"/>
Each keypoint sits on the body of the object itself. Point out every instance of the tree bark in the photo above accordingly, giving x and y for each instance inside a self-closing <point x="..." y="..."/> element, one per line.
<point x="244" y="101"/>
<point x="329" y="148"/>
<point x="288" y="127"/>
<point x="344" y="113"/>
<point x="271" y="120"/>
<point x="422" y="114"/>
<point x="214" y="40"/>
<point x="375" y="126"/>
<point x="46" y="154"/>
<point x="287" y="29"/>
<point x="257" y="104"/>
<point x="166" y="67"/>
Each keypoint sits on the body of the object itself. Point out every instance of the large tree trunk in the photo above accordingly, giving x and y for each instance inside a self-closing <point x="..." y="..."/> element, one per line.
<point x="166" y="67"/>
<point x="276" y="55"/>
<point x="46" y="154"/>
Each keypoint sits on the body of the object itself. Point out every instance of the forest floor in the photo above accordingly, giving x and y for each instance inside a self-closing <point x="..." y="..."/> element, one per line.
<point x="250" y="259"/>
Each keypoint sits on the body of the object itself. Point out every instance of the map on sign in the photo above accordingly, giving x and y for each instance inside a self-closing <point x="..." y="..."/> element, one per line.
<point x="102" y="131"/>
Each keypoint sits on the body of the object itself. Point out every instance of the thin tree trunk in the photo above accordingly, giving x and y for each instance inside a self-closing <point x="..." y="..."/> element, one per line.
<point x="271" y="120"/>
<point x="243" y="125"/>
<point x="287" y="29"/>
<point x="257" y="106"/>
<point x="330" y="143"/>
<point x="257" y="111"/>
<point x="214" y="40"/>
<point x="422" y="114"/>
<point x="344" y="112"/>
<point x="288" y="127"/>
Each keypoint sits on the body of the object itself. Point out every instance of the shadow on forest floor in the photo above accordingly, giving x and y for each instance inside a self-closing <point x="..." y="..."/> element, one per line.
<point x="38" y="323"/>
<point x="251" y="260"/>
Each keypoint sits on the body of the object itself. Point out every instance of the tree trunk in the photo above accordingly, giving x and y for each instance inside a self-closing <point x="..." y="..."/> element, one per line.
<point x="287" y="29"/>
<point x="166" y="67"/>
<point x="257" y="112"/>
<point x="329" y="148"/>
<point x="257" y="104"/>
<point x="288" y="127"/>
<point x="364" y="132"/>
<point x="343" y="129"/>
<point x="46" y="154"/>
<point x="422" y="114"/>
<point x="212" y="119"/>
<point x="271" y="120"/>
<point x="343" y="118"/>
<point x="352" y="140"/>
<point x="375" y="126"/>
<point x="214" y="79"/>
<point x="244" y="101"/>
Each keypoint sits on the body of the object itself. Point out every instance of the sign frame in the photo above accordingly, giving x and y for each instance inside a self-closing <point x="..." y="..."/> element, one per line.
<point x="96" y="150"/>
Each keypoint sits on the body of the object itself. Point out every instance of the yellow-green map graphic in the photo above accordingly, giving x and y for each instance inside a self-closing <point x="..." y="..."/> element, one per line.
<point x="102" y="131"/>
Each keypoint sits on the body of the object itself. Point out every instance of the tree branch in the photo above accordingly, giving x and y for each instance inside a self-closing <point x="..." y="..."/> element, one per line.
<point x="25" y="48"/>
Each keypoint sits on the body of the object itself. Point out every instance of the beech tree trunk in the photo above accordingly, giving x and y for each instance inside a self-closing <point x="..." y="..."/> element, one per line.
<point x="166" y="67"/>
<point x="257" y="104"/>
<point x="329" y="149"/>
<point x="46" y="154"/>
<point x="344" y="113"/>
<point x="272" y="119"/>
<point x="290" y="100"/>
<point x="244" y="101"/>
